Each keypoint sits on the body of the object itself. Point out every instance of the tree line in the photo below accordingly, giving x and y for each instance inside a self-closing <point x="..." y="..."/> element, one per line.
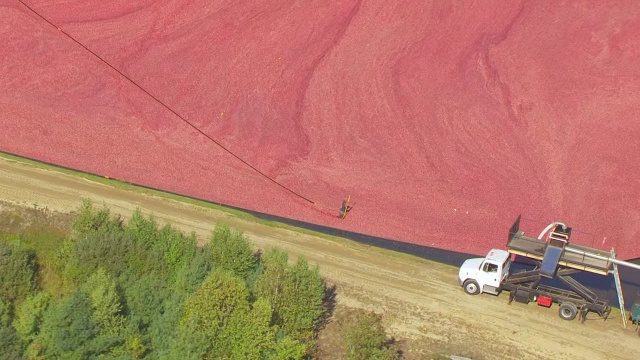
<point x="142" y="290"/>
<point x="135" y="289"/>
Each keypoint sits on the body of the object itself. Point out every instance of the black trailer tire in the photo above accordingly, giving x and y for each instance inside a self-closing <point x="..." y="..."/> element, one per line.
<point x="471" y="287"/>
<point x="568" y="311"/>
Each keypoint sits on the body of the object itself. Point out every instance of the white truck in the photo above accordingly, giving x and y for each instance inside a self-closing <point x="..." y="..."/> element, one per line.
<point x="485" y="274"/>
<point x="553" y="258"/>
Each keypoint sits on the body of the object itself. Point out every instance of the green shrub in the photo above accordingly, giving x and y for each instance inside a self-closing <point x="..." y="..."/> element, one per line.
<point x="109" y="250"/>
<point x="365" y="338"/>
<point x="5" y="313"/>
<point x="29" y="315"/>
<point x="192" y="273"/>
<point x="209" y="311"/>
<point x="162" y="329"/>
<point x="105" y="301"/>
<point x="18" y="272"/>
<point x="178" y="249"/>
<point x="89" y="219"/>
<point x="231" y="251"/>
<point x="11" y="345"/>
<point x="145" y="298"/>
<point x="68" y="328"/>
<point x="247" y="334"/>
<point x="296" y="292"/>
<point x="144" y="230"/>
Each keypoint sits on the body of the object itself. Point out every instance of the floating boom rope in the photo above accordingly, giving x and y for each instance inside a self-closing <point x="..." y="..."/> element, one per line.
<point x="166" y="106"/>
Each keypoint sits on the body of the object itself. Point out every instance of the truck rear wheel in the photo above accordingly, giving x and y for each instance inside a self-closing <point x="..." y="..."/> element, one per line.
<point x="568" y="311"/>
<point x="471" y="287"/>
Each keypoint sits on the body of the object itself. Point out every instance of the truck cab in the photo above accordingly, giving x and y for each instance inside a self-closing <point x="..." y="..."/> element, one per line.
<point x="485" y="274"/>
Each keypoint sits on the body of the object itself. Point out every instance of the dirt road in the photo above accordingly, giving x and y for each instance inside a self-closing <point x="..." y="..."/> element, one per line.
<point x="423" y="305"/>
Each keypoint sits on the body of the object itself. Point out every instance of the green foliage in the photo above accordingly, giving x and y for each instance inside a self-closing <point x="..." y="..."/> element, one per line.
<point x="288" y="349"/>
<point x="270" y="284"/>
<point x="105" y="301"/>
<point x="162" y="330"/>
<point x="18" y="271"/>
<point x="209" y="311"/>
<point x="252" y="336"/>
<point x="130" y="252"/>
<point x="145" y="299"/>
<point x="100" y="241"/>
<point x="11" y="346"/>
<point x="68" y="328"/>
<point x="5" y="313"/>
<point x="250" y="333"/>
<point x="231" y="251"/>
<point x="29" y="315"/>
<point x="176" y="247"/>
<point x="296" y="293"/>
<point x="154" y="312"/>
<point x="165" y="250"/>
<point x="144" y="230"/>
<point x="141" y="259"/>
<point x="220" y="322"/>
<point x="304" y="294"/>
<point x="136" y="347"/>
<point x="365" y="338"/>
<point x="140" y="291"/>
<point x="192" y="273"/>
<point x="64" y="255"/>
<point x="109" y="250"/>
<point x="89" y="219"/>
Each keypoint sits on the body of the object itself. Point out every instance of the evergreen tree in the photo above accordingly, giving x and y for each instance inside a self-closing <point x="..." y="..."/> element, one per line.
<point x="144" y="230"/>
<point x="89" y="219"/>
<point x="296" y="292"/>
<point x="18" y="271"/>
<point x="68" y="328"/>
<point x="105" y="301"/>
<point x="192" y="273"/>
<point x="365" y="338"/>
<point x="231" y="251"/>
<point x="303" y="301"/>
<point x="250" y="333"/>
<point x="11" y="345"/>
<point x="29" y="315"/>
<point x="209" y="311"/>
<point x="177" y="248"/>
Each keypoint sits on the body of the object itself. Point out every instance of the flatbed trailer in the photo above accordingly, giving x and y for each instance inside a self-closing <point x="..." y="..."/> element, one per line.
<point x="565" y="260"/>
<point x="525" y="287"/>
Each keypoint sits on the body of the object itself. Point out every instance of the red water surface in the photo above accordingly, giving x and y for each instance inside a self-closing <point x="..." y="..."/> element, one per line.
<point x="443" y="120"/>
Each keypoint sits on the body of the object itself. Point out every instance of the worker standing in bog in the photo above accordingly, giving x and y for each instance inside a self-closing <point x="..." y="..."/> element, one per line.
<point x="345" y="208"/>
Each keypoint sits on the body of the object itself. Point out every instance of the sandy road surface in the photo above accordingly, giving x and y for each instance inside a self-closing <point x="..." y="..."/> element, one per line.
<point x="421" y="301"/>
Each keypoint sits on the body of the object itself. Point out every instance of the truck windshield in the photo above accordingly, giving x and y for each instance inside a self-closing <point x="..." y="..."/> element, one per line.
<point x="489" y="267"/>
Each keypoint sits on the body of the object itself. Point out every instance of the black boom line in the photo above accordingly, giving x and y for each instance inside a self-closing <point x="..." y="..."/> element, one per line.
<point x="166" y="106"/>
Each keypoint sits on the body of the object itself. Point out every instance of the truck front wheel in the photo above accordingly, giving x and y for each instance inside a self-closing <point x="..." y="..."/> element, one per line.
<point x="471" y="287"/>
<point x="568" y="311"/>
